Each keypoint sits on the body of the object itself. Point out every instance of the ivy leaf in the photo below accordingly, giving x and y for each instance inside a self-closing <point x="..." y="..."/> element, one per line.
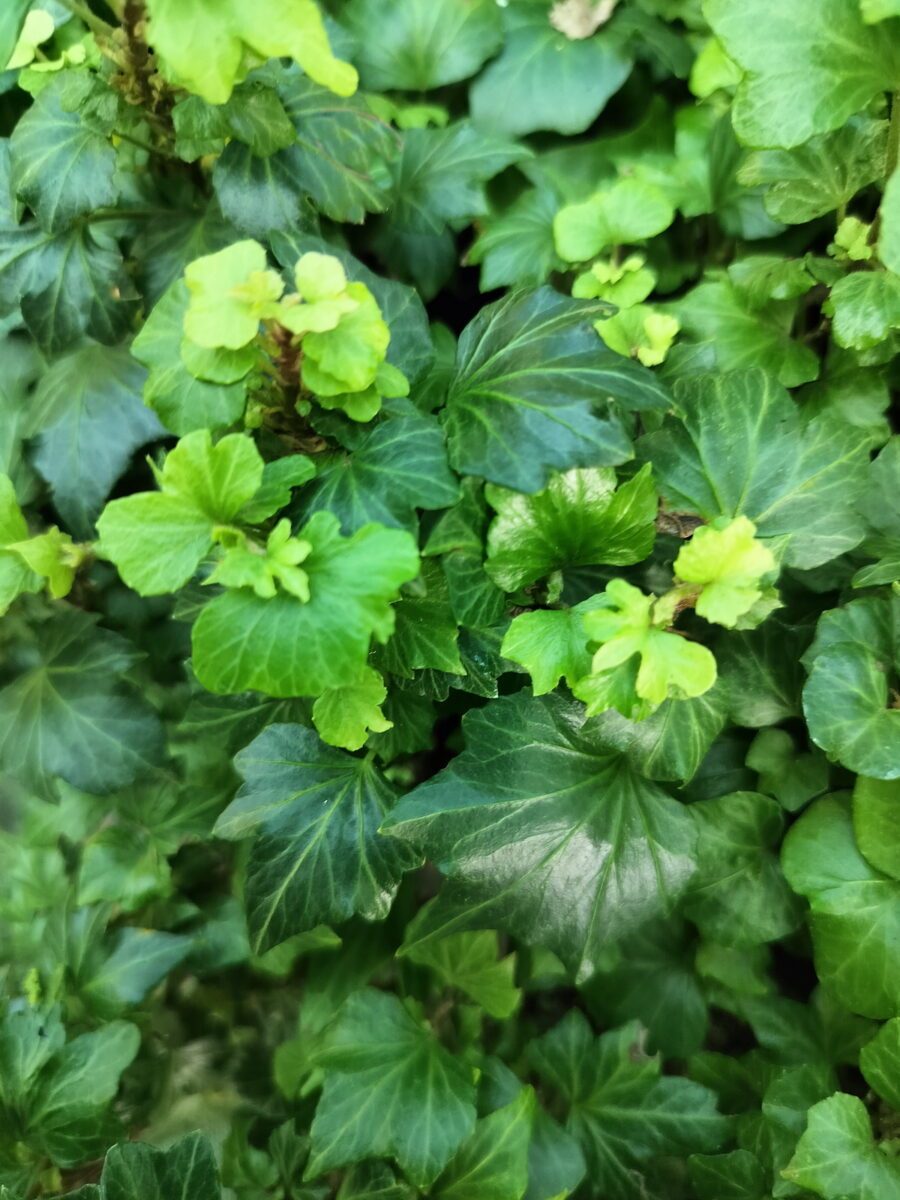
<point x="738" y="1175"/>
<point x="837" y="1155"/>
<point x="630" y="211"/>
<point x="229" y="293"/>
<point x="515" y="246"/>
<point x="492" y="1164"/>
<point x="846" y="698"/>
<point x="545" y="80"/>
<point x="855" y="910"/>
<point x="426" y="633"/>
<point x="346" y="716"/>
<point x="423" y="44"/>
<point x="529" y="375"/>
<point x="61" y="167"/>
<point x="550" y="645"/>
<point x="337" y="160"/>
<point x="375" y="1050"/>
<point x="398" y="466"/>
<point x="622" y="1111"/>
<point x="579" y="519"/>
<point x="724" y="330"/>
<point x="742" y="448"/>
<point x="468" y="961"/>
<point x="232" y="35"/>
<point x="739" y="895"/>
<point x="12" y="18"/>
<point x="68" y="715"/>
<point x="439" y="175"/>
<point x="672" y="742"/>
<point x="889" y="238"/>
<point x="69" y="284"/>
<point x="183" y="402"/>
<point x="879" y="1061"/>
<point x="89" y="419"/>
<point x="67" y="1109"/>
<point x="823" y="174"/>
<point x="157" y="539"/>
<point x="876" y="823"/>
<point x="185" y="1170"/>
<point x="865" y="308"/>
<point x="503" y="819"/>
<point x="316" y="857"/>
<point x="729" y="564"/>
<point x="807" y="67"/>
<point x="286" y="648"/>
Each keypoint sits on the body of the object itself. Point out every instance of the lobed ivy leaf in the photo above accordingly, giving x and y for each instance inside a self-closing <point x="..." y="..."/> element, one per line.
<point x="622" y="1111"/>
<point x="532" y="392"/>
<point x="376" y="1050"/>
<point x="838" y="1156"/>
<point x="532" y="789"/>
<point x="579" y="519"/>
<point x="316" y="857"/>
<point x="807" y="67"/>
<point x="855" y="912"/>
<point x="741" y="447"/>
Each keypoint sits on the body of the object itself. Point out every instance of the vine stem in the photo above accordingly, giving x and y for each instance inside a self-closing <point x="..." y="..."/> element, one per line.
<point x="95" y="24"/>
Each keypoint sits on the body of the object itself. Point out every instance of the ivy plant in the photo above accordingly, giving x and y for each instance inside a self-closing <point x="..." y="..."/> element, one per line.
<point x="449" y="600"/>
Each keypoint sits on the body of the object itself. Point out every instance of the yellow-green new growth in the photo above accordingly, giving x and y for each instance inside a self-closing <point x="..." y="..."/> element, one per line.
<point x="729" y="564"/>
<point x="637" y="660"/>
<point x="247" y="564"/>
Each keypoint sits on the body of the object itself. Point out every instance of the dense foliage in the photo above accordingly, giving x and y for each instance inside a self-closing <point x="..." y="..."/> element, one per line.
<point x="450" y="566"/>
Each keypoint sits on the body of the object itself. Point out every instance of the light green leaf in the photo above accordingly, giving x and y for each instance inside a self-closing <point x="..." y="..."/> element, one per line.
<point x="808" y="66"/>
<point x="876" y="822"/>
<point x="865" y="308"/>
<point x="286" y="648"/>
<point x="545" y="80"/>
<point x="183" y="402"/>
<point x="492" y="1164"/>
<point x="879" y="1061"/>
<point x="139" y="960"/>
<point x="530" y="392"/>
<point x="638" y="665"/>
<point x="623" y="1112"/>
<point x="846" y="699"/>
<point x="69" y="715"/>
<point x="855" y="910"/>
<point x="640" y="332"/>
<point x="578" y="520"/>
<point x="550" y="645"/>
<point x="469" y="962"/>
<point x="889" y="235"/>
<point x="730" y="565"/>
<point x="346" y="716"/>
<point x="837" y="1155"/>
<point x="740" y="447"/>
<point x="233" y="36"/>
<point x="157" y="539"/>
<point x="12" y="18"/>
<point x="316" y="857"/>
<point x="503" y="821"/>
<point x="230" y="291"/>
<point x="422" y="44"/>
<point x="378" y="1061"/>
<point x="630" y="211"/>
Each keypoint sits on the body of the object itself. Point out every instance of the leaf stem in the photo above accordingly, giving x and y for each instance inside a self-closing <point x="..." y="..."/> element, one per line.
<point x="893" y="147"/>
